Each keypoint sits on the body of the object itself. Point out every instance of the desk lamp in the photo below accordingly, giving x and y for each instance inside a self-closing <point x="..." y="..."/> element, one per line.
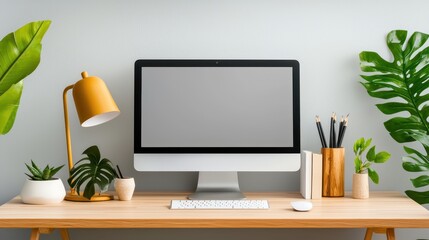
<point x="94" y="106"/>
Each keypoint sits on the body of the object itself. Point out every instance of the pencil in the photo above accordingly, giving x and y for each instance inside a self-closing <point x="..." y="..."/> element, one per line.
<point x="119" y="171"/>
<point x="321" y="134"/>
<point x="331" y="132"/>
<point x="334" y="141"/>
<point x="340" y="130"/>
<point x="341" y="137"/>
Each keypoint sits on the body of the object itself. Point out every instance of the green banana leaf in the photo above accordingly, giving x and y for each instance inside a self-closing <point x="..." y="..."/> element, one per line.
<point x="402" y="85"/>
<point x="19" y="57"/>
<point x="9" y="103"/>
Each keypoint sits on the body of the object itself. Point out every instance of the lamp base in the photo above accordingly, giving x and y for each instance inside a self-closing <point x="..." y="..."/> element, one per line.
<point x="72" y="196"/>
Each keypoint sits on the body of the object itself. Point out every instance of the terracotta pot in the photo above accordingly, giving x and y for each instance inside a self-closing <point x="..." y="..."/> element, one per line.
<point x="360" y="187"/>
<point x="43" y="192"/>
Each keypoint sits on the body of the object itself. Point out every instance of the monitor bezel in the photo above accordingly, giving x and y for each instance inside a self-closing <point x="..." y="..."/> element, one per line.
<point x="141" y="63"/>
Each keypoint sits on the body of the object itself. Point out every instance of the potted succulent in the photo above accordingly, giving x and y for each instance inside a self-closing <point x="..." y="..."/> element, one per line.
<point x="42" y="187"/>
<point x="19" y="57"/>
<point x="92" y="171"/>
<point x="363" y="169"/>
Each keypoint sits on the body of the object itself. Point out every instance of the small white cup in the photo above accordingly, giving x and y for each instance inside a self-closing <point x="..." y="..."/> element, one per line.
<point x="124" y="187"/>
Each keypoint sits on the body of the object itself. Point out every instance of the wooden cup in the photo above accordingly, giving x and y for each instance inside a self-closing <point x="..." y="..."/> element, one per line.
<point x="333" y="172"/>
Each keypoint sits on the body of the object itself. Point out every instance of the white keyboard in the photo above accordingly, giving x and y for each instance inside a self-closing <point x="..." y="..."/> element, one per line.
<point x="219" y="204"/>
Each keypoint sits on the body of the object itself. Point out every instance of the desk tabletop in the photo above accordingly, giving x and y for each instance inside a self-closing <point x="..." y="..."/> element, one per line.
<point x="151" y="210"/>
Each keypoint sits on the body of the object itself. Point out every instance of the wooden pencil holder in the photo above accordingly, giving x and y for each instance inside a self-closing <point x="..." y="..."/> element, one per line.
<point x="333" y="172"/>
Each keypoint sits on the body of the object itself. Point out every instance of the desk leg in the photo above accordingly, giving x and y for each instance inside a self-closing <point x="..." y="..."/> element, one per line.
<point x="35" y="233"/>
<point x="390" y="233"/>
<point x="64" y="234"/>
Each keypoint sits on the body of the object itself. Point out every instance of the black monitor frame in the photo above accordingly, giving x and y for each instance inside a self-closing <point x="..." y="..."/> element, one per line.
<point x="139" y="64"/>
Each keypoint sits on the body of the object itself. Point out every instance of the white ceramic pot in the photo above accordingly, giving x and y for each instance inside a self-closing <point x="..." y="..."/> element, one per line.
<point x="124" y="188"/>
<point x="43" y="192"/>
<point x="360" y="188"/>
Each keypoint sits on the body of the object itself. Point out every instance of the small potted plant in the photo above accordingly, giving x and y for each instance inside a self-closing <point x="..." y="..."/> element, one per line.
<point x="93" y="172"/>
<point x="42" y="187"/>
<point x="363" y="169"/>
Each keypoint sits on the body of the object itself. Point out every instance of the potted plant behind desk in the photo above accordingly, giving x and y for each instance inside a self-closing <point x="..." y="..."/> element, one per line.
<point x="42" y="187"/>
<point x="403" y="85"/>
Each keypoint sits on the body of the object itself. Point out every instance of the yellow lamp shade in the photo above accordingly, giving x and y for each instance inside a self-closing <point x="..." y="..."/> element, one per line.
<point x="93" y="101"/>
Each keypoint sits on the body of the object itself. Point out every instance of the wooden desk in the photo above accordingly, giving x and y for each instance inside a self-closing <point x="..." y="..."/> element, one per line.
<point x="386" y="210"/>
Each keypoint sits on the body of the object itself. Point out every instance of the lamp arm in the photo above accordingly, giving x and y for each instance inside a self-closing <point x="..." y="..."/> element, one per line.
<point x="67" y="127"/>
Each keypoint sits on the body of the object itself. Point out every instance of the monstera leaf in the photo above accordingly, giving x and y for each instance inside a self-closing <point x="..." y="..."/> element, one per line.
<point x="92" y="171"/>
<point x="403" y="85"/>
<point x="19" y="57"/>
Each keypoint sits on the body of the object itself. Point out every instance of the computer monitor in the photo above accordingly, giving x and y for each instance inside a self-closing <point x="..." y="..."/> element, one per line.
<point x="217" y="117"/>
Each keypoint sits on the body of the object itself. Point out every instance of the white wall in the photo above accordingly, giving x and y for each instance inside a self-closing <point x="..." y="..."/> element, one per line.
<point x="105" y="37"/>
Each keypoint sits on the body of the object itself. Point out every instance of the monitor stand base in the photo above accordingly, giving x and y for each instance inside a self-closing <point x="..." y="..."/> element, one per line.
<point x="217" y="186"/>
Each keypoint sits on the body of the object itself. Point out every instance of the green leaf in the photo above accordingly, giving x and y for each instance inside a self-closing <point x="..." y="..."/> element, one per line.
<point x="9" y="103"/>
<point x="416" y="41"/>
<point x="358" y="164"/>
<point x="360" y="147"/>
<point x="89" y="190"/>
<point x="415" y="167"/>
<point x="372" y="62"/>
<point x="420" y="136"/>
<point x="365" y="144"/>
<point x="395" y="40"/>
<point x="419" y="197"/>
<point x="55" y="170"/>
<point x="420" y="181"/>
<point x="34" y="172"/>
<point x="373" y="175"/>
<point x="19" y="57"/>
<point x="421" y="158"/>
<point x="370" y="155"/>
<point x="356" y="147"/>
<point x="394" y="107"/>
<point x="20" y="53"/>
<point x="382" y="157"/>
<point x="93" y="153"/>
<point x="46" y="173"/>
<point x="366" y="165"/>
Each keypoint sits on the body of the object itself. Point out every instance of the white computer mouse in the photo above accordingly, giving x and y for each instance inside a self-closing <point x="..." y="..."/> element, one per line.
<point x="302" y="206"/>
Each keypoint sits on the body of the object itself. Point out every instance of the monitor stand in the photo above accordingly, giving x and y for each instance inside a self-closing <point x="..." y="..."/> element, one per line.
<point x="217" y="186"/>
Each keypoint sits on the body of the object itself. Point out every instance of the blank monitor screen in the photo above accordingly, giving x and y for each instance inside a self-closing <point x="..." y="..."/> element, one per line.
<point x="209" y="106"/>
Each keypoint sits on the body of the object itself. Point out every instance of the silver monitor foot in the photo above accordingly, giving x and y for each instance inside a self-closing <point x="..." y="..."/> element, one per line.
<point x="217" y="186"/>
